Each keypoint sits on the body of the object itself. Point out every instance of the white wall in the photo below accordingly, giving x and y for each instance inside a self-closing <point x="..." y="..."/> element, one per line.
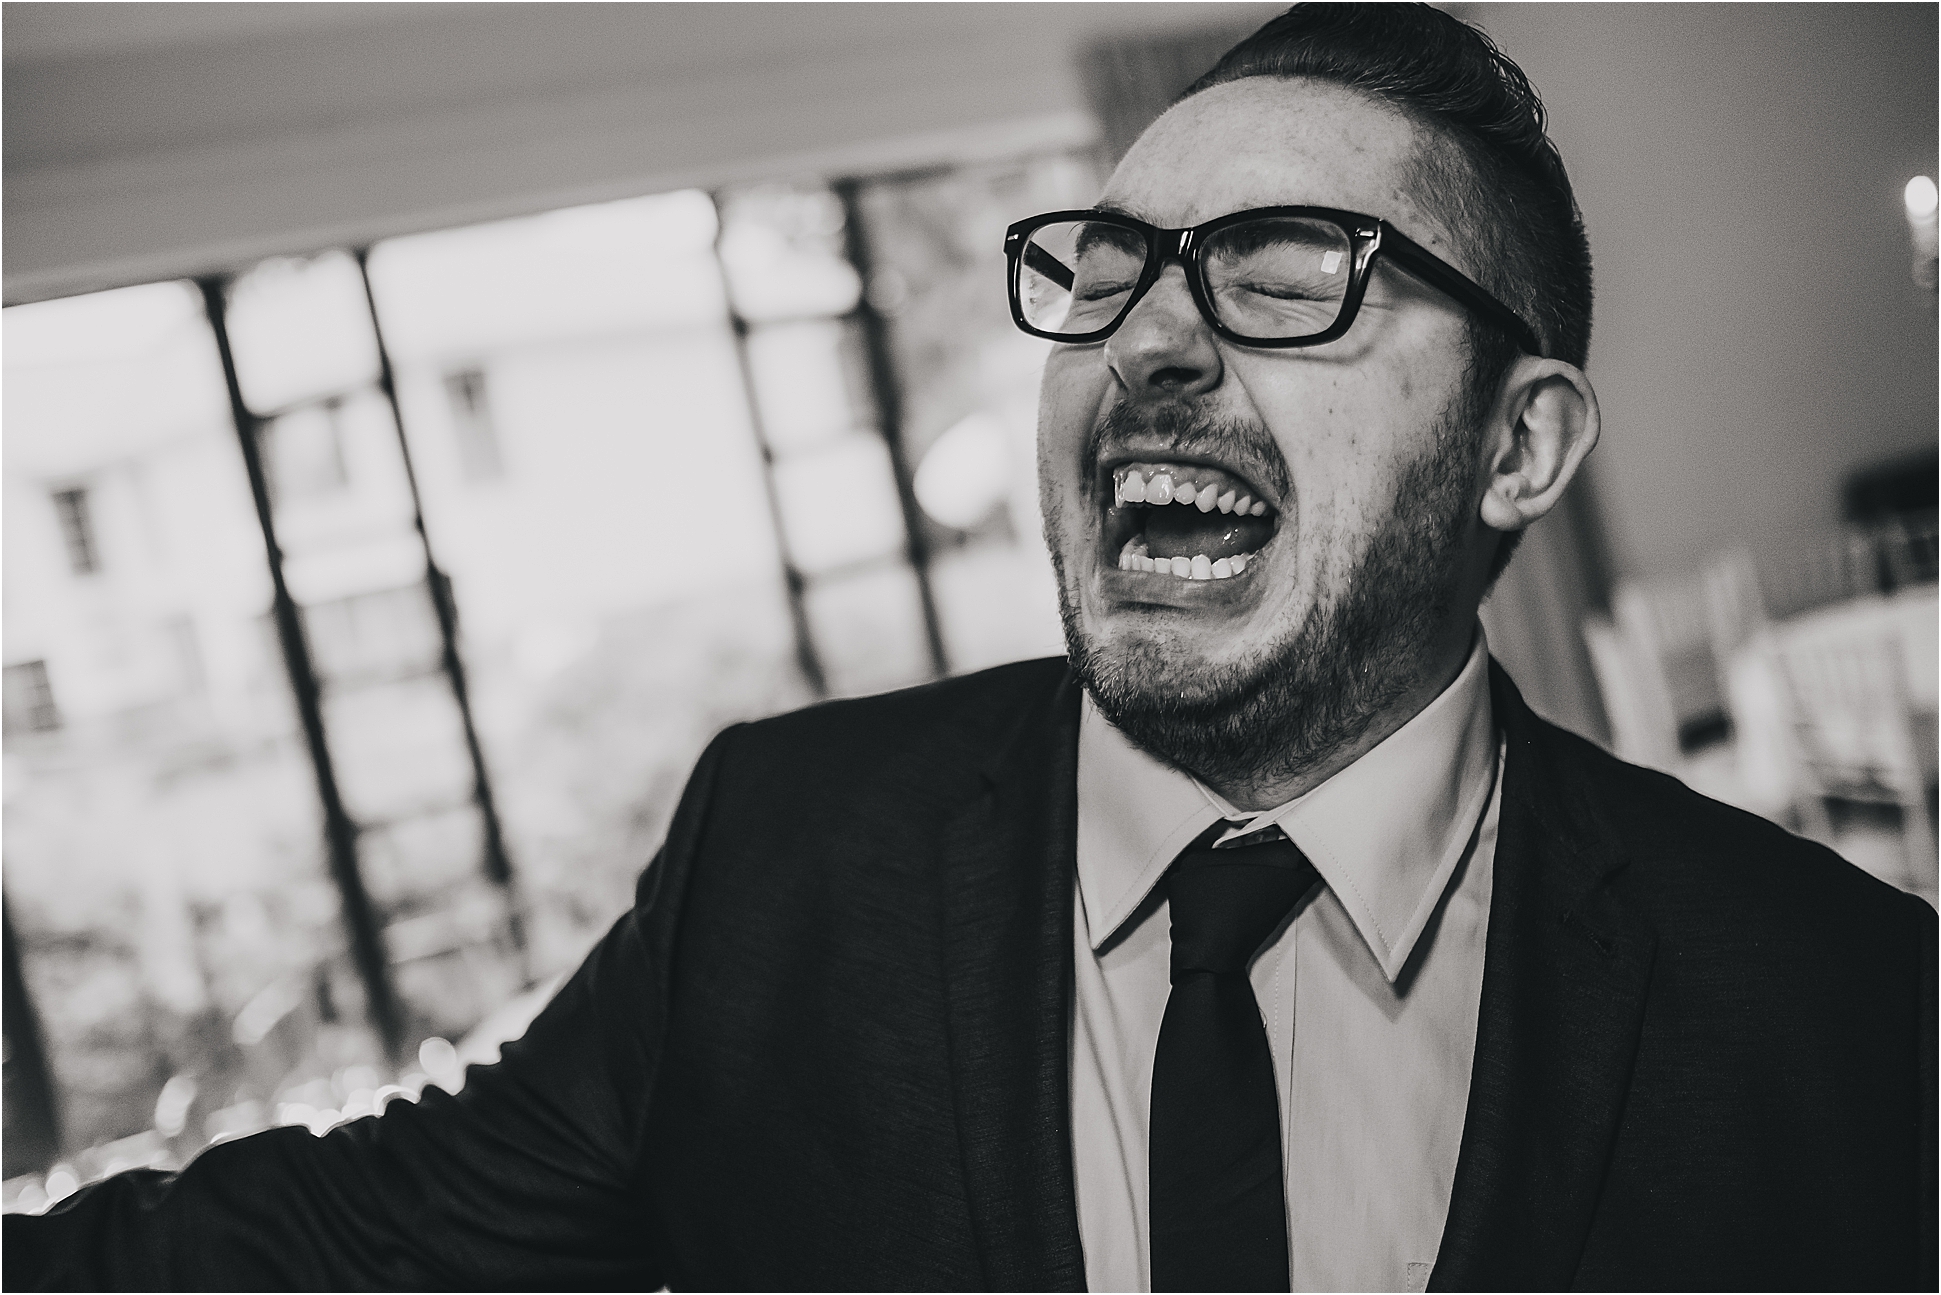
<point x="1758" y="332"/>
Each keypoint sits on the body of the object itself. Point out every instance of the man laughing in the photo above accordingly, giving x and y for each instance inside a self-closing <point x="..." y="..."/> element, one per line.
<point x="1267" y="939"/>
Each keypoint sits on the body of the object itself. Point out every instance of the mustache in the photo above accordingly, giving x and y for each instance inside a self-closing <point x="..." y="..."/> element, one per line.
<point x="1196" y="431"/>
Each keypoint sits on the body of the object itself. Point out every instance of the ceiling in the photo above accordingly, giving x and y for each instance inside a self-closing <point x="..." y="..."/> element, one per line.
<point x="146" y="140"/>
<point x="36" y="31"/>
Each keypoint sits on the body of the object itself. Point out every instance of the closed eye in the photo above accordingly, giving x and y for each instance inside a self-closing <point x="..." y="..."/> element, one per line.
<point x="1280" y="291"/>
<point x="1098" y="291"/>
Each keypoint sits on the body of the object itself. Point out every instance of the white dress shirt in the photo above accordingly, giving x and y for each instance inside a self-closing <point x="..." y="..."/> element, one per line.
<point x="1369" y="994"/>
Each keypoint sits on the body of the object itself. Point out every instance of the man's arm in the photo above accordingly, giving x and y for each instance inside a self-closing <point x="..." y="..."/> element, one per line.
<point x="530" y="1177"/>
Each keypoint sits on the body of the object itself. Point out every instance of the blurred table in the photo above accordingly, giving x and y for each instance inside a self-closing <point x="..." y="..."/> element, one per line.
<point x="1762" y="710"/>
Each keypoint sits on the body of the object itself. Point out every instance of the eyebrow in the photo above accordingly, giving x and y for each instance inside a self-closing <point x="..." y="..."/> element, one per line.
<point x="1116" y="209"/>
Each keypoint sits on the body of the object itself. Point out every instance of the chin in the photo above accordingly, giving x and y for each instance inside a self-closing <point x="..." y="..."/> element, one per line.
<point x="1168" y="655"/>
<point x="1215" y="683"/>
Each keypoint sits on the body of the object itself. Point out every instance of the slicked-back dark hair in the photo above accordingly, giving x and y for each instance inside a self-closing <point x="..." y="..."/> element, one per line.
<point x="1499" y="181"/>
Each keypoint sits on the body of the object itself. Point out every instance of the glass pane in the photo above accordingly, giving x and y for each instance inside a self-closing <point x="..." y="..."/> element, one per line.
<point x="626" y="468"/>
<point x="163" y="865"/>
<point x="598" y="732"/>
<point x="939" y="276"/>
<point x="997" y="603"/>
<point x="839" y="504"/>
<point x="303" y="453"/>
<point x="869" y="626"/>
<point x="782" y="247"/>
<point x="582" y="273"/>
<point x="342" y="500"/>
<point x="399" y="747"/>
<point x="379" y="637"/>
<point x="616" y="571"/>
<point x="300" y="330"/>
<point x="807" y="382"/>
<point x="969" y="382"/>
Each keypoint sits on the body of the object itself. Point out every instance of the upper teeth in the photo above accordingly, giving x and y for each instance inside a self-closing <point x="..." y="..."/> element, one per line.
<point x="1131" y="486"/>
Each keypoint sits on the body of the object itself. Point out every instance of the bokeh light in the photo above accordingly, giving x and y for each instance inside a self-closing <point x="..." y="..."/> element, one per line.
<point x="1921" y="197"/>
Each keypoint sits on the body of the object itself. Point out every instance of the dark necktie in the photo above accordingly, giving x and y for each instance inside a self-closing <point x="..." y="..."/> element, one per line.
<point x="1218" y="1198"/>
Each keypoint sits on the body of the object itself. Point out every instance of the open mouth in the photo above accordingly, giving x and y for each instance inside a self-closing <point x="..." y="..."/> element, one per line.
<point x="1185" y="521"/>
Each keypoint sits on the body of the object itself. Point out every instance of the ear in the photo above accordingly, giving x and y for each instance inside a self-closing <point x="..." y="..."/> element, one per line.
<point x="1545" y="421"/>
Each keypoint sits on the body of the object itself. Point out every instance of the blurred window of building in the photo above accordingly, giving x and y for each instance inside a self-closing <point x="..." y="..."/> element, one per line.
<point x="306" y="452"/>
<point x="77" y="530"/>
<point x="478" y="441"/>
<point x="30" y="699"/>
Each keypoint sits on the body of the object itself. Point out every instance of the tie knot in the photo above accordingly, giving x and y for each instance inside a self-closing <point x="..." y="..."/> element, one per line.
<point x="1225" y="903"/>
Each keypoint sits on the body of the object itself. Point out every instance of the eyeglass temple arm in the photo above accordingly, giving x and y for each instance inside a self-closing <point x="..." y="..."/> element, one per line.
<point x="1445" y="277"/>
<point x="1048" y="265"/>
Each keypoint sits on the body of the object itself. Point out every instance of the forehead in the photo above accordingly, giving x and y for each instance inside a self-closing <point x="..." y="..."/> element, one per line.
<point x="1272" y="141"/>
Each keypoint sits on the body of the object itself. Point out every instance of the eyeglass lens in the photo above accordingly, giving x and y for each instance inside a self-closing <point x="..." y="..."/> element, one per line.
<point x="1277" y="278"/>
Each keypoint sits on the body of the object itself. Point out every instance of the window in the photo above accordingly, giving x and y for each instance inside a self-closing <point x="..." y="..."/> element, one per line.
<point x="623" y="594"/>
<point x="478" y="442"/>
<point x="387" y="634"/>
<point x="185" y="645"/>
<point x="306" y="451"/>
<point x="29" y="699"/>
<point x="77" y="529"/>
<point x="120" y="397"/>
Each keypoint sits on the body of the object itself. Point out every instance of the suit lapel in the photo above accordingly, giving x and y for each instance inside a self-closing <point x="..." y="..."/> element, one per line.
<point x="1564" y="980"/>
<point x="1008" y="862"/>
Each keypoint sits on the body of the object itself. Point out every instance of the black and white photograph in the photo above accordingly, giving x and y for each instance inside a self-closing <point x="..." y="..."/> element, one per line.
<point x="953" y="646"/>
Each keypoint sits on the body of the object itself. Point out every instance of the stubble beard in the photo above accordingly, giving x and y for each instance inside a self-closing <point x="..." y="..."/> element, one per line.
<point x="1291" y="705"/>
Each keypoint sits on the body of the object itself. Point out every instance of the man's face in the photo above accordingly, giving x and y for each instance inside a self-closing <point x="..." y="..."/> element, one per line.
<point x="1351" y="446"/>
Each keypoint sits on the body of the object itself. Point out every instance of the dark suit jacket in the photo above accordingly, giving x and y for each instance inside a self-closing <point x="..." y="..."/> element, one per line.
<point x="828" y="1048"/>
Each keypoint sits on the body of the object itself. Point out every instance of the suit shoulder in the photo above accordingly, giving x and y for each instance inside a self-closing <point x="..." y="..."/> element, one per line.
<point x="961" y="719"/>
<point x="1692" y="856"/>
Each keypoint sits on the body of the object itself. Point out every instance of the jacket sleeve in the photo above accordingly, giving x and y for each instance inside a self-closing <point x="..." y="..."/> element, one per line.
<point x="529" y="1178"/>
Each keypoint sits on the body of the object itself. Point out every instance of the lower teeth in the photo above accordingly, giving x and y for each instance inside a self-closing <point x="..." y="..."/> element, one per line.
<point x="1194" y="568"/>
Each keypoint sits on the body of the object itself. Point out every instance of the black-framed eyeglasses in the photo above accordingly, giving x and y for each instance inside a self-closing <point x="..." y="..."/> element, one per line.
<point x="1272" y="276"/>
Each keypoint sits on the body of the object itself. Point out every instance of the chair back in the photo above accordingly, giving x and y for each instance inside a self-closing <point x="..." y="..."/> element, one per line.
<point x="1735" y="610"/>
<point x="1669" y="627"/>
<point x="1907" y="552"/>
<point x="1852" y="715"/>
<point x="1856" y="737"/>
<point x="1644" y="727"/>
<point x="1846" y="566"/>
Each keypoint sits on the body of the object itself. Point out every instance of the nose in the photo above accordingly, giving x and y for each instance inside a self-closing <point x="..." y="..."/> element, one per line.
<point x="1164" y="349"/>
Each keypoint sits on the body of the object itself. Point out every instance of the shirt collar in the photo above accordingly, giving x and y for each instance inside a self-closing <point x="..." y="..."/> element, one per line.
<point x="1386" y="833"/>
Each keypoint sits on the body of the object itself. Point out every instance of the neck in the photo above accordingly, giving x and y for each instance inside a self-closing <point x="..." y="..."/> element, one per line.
<point x="1439" y="668"/>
